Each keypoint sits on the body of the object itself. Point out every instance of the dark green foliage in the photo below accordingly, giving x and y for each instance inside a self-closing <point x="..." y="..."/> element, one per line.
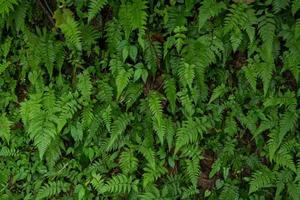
<point x="136" y="99"/>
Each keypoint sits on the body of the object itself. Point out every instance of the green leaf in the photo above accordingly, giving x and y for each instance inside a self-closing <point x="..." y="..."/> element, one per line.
<point x="5" y="128"/>
<point x="95" y="7"/>
<point x="76" y="132"/>
<point x="133" y="52"/>
<point x="122" y="81"/>
<point x="217" y="92"/>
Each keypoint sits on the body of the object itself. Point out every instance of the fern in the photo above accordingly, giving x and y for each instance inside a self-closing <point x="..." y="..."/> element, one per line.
<point x="251" y="76"/>
<point x="295" y="6"/>
<point x="149" y="155"/>
<point x="218" y="91"/>
<point x="133" y="16"/>
<point x="155" y="106"/>
<point x="113" y="35"/>
<point x="89" y="36"/>
<point x="209" y="9"/>
<point x="293" y="190"/>
<point x="265" y="74"/>
<point x="70" y="28"/>
<point x="186" y="74"/>
<point x="128" y="162"/>
<point x="193" y="170"/>
<point x="52" y="189"/>
<point x="84" y="86"/>
<point x="187" y="103"/>
<point x="117" y="128"/>
<point x="133" y="92"/>
<point x="68" y="107"/>
<point x="149" y="99"/>
<point x="261" y="179"/>
<point x="7" y="6"/>
<point x="266" y="31"/>
<point x="98" y="183"/>
<point x="5" y="128"/>
<point x="279" y="5"/>
<point x="152" y="174"/>
<point x="121" y="184"/>
<point x="189" y="132"/>
<point x="241" y="18"/>
<point x="288" y="122"/>
<point x="122" y="81"/>
<point x="39" y="117"/>
<point x="6" y="152"/>
<point x="105" y="93"/>
<point x="107" y="117"/>
<point x="229" y="192"/>
<point x="156" y="110"/>
<point x="153" y="55"/>
<point x="95" y="7"/>
<point x="284" y="158"/>
<point x="170" y="91"/>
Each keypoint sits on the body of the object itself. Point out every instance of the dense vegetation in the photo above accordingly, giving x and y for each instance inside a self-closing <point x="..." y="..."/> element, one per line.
<point x="137" y="99"/>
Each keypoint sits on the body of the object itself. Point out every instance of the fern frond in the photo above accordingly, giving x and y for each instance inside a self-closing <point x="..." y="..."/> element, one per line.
<point x="190" y="192"/>
<point x="266" y="30"/>
<point x="128" y="162"/>
<point x="153" y="55"/>
<point x="133" y="16"/>
<point x="84" y="86"/>
<point x="68" y="107"/>
<point x="121" y="184"/>
<point x="188" y="133"/>
<point x="107" y="117"/>
<point x="155" y="106"/>
<point x="265" y="74"/>
<point x="295" y="6"/>
<point x="7" y="6"/>
<point x="89" y="36"/>
<point x="217" y="92"/>
<point x="122" y="81"/>
<point x="98" y="183"/>
<point x="193" y="170"/>
<point x="170" y="91"/>
<point x="117" y="128"/>
<point x="87" y="116"/>
<point x="95" y="7"/>
<point x="70" y="28"/>
<point x="133" y="92"/>
<point x="288" y="122"/>
<point x="5" y="124"/>
<point x="152" y="174"/>
<point x="284" y="158"/>
<point x="186" y="74"/>
<point x="186" y="102"/>
<point x="229" y="192"/>
<point x="240" y="18"/>
<point x="293" y="190"/>
<point x="157" y="115"/>
<point x="40" y="120"/>
<point x="261" y="179"/>
<point x="152" y="194"/>
<point x="149" y="155"/>
<point x="52" y="189"/>
<point x="251" y="76"/>
<point x="6" y="152"/>
<point x="105" y="93"/>
<point x="279" y="5"/>
<point x="209" y="9"/>
<point x="113" y="35"/>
